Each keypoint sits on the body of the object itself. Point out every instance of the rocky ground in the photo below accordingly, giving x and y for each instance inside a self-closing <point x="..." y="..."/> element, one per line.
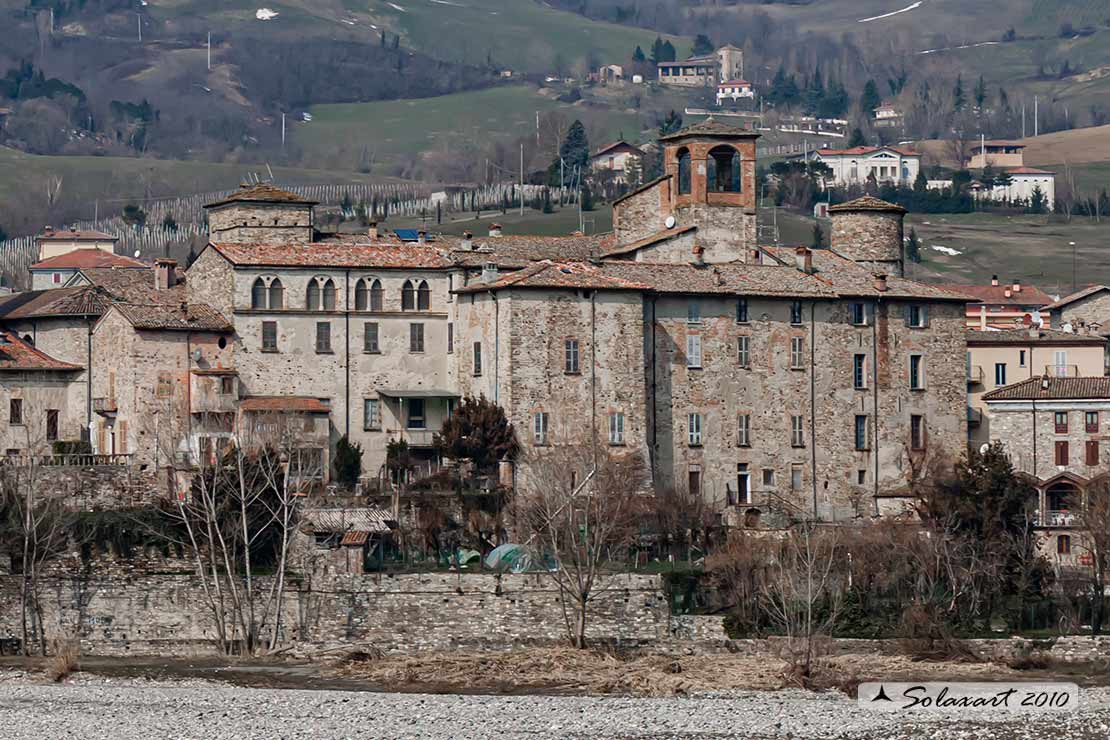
<point x="88" y="706"/>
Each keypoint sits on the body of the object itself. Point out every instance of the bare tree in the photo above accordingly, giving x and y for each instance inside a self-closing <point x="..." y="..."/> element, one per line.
<point x="580" y="504"/>
<point x="1093" y="528"/>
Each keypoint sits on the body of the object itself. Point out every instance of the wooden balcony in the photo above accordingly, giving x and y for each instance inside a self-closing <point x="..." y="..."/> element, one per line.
<point x="105" y="406"/>
<point x="416" y="437"/>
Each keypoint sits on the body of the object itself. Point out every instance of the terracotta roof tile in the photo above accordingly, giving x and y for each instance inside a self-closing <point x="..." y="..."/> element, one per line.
<point x="1046" y="388"/>
<point x="859" y="151"/>
<point x="1077" y="296"/>
<point x="69" y="235"/>
<point x="647" y="241"/>
<point x="1023" y="336"/>
<point x="849" y="279"/>
<point x="82" y="300"/>
<point x="1027" y="171"/>
<point x="866" y="203"/>
<point x="17" y="355"/>
<point x="262" y="193"/>
<point x="181" y="317"/>
<point x="1030" y="295"/>
<point x="709" y="127"/>
<point x="82" y="258"/>
<point x="615" y="145"/>
<point x="299" y="404"/>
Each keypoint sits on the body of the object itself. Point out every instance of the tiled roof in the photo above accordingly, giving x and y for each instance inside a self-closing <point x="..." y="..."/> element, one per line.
<point x="616" y="144"/>
<point x="82" y="300"/>
<point x="511" y="250"/>
<point x="262" y="193"/>
<point x="81" y="258"/>
<point x="709" y="127"/>
<point x="1030" y="295"/>
<point x="1001" y="142"/>
<point x="301" y="404"/>
<point x="1027" y="171"/>
<point x="17" y="355"/>
<point x="1047" y="389"/>
<point x="69" y="235"/>
<point x="866" y="203"/>
<point x="1090" y="290"/>
<point x="576" y="275"/>
<point x="180" y="317"/>
<point x="646" y="186"/>
<point x="354" y="519"/>
<point x="859" y="151"/>
<point x="647" y="241"/>
<point x="1023" y="336"/>
<point x="734" y="83"/>
<point x="369" y="256"/>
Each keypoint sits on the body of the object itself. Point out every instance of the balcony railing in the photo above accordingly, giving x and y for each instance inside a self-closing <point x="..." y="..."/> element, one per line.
<point x="417" y="437"/>
<point x="76" y="461"/>
<point x="1062" y="371"/>
<point x="974" y="416"/>
<point x="1056" y="518"/>
<point x="974" y="375"/>
<point x="105" y="405"/>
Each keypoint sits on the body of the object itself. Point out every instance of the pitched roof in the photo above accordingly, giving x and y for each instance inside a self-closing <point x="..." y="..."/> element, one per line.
<point x="1001" y="142"/>
<point x="262" y="192"/>
<point x="1025" y="337"/>
<point x="1046" y="388"/>
<point x="81" y="258"/>
<point x="1030" y="295"/>
<point x="168" y="317"/>
<point x="859" y="151"/>
<point x="709" y="127"/>
<point x="17" y="355"/>
<point x="1090" y="290"/>
<point x="646" y="186"/>
<point x="1027" y="171"/>
<point x="353" y="519"/>
<point x="81" y="300"/>
<point x="370" y="256"/>
<point x="615" y="145"/>
<point x="547" y="274"/>
<point x="866" y="203"/>
<point x="647" y="241"/>
<point x="70" y="235"/>
<point x="297" y="404"/>
<point x="512" y="250"/>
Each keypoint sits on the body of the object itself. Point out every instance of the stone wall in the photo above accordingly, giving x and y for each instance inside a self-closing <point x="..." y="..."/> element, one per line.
<point x="264" y="223"/>
<point x="1030" y="438"/>
<point x="873" y="238"/>
<point x="643" y="212"/>
<point x="1094" y="309"/>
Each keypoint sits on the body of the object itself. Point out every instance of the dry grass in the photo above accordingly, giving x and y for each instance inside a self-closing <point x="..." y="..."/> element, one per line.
<point x="63" y="659"/>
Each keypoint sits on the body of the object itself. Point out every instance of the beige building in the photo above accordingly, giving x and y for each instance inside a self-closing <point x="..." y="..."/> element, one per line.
<point x="733" y="91"/>
<point x="616" y="157"/>
<point x="726" y="63"/>
<point x="52" y="243"/>
<point x="59" y="271"/>
<point x="859" y="164"/>
<point x="997" y="154"/>
<point x="1004" y="306"/>
<point x="996" y="359"/>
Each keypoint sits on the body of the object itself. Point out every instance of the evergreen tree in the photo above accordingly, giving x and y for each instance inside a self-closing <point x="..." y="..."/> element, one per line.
<point x="383" y="38"/>
<point x="397" y="42"/>
<point x="3" y="234"/>
<point x="479" y="431"/>
<point x="1037" y="200"/>
<point x="857" y="138"/>
<point x="670" y="124"/>
<point x="669" y="53"/>
<point x="815" y="93"/>
<point x="835" y="103"/>
<point x="547" y="201"/>
<point x="638" y="56"/>
<point x="980" y="94"/>
<point x="169" y="223"/>
<point x="870" y="99"/>
<point x="920" y="183"/>
<point x="348" y="462"/>
<point x="959" y="99"/>
<point x="575" y="149"/>
<point x="702" y="45"/>
<point x="657" y="51"/>
<point x="587" y="196"/>
<point x="913" y="246"/>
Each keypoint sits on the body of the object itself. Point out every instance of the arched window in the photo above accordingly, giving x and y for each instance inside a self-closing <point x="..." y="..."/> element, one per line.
<point x="312" y="297"/>
<point x="377" y="300"/>
<point x="329" y="296"/>
<point x="424" y="296"/>
<point x="277" y="294"/>
<point x="361" y="296"/>
<point x="258" y="293"/>
<point x="408" y="296"/>
<point x="320" y="295"/>
<point x="723" y="170"/>
<point x="683" y="171"/>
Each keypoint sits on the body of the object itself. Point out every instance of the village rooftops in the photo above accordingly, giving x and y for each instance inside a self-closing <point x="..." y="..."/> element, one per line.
<point x="83" y="258"/>
<point x="1023" y="170"/>
<point x="1026" y="295"/>
<point x="262" y="193"/>
<point x="1025" y="337"/>
<point x="1079" y="295"/>
<point x="83" y="300"/>
<point x="180" y="317"/>
<point x="74" y="235"/>
<point x="396" y="255"/>
<point x="617" y="145"/>
<point x="712" y="128"/>
<point x="1045" y="388"/>
<point x="19" y="356"/>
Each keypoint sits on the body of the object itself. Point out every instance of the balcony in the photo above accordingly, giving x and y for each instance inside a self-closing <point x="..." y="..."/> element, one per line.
<point x="974" y="417"/>
<point x="974" y="375"/>
<point x="1061" y="518"/>
<point x="105" y="406"/>
<point x="416" y="437"/>
<point x="1061" y="371"/>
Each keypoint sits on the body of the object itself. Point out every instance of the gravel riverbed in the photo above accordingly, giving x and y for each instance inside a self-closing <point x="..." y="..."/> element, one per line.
<point x="96" y="707"/>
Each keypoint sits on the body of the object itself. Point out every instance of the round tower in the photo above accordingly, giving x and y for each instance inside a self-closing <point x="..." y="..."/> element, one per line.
<point x="870" y="231"/>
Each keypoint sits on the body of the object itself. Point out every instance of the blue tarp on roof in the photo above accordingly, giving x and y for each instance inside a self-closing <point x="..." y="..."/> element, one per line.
<point x="410" y="235"/>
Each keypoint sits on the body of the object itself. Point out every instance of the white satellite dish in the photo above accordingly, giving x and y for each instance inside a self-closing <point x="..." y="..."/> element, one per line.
<point x="983" y="449"/>
<point x="137" y="253"/>
<point x="198" y="355"/>
<point x="670" y="222"/>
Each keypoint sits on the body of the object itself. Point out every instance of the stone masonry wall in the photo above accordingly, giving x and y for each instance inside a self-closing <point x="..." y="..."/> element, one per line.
<point x="873" y="238"/>
<point x="642" y="214"/>
<point x="1094" y="309"/>
<point x="270" y="223"/>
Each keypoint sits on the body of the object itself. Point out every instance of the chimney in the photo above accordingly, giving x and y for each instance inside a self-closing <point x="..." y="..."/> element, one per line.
<point x="1017" y="285"/>
<point x="373" y="231"/>
<point x="422" y="237"/>
<point x="880" y="282"/>
<point x="994" y="281"/>
<point x="803" y="257"/>
<point x="1008" y="293"/>
<point x="467" y="241"/>
<point x="48" y="230"/>
<point x="164" y="273"/>
<point x="489" y="272"/>
<point x="495" y="229"/>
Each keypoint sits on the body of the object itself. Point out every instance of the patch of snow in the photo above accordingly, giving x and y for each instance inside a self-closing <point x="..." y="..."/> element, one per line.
<point x="965" y="46"/>
<point x="265" y="14"/>
<point x="448" y="2"/>
<point x="395" y="6"/>
<point x="945" y="250"/>
<point x="306" y="117"/>
<point x="906" y="9"/>
<point x="349" y="23"/>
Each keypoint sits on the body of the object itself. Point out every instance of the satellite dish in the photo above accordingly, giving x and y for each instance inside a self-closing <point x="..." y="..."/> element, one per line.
<point x="983" y="449"/>
<point x="670" y="222"/>
<point x="197" y="355"/>
<point x="137" y="253"/>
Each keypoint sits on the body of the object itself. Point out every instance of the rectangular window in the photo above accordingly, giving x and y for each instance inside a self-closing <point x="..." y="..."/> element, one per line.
<point x="164" y="387"/>
<point x="795" y="477"/>
<point x="917" y="432"/>
<point x="323" y="337"/>
<point x="916" y="316"/>
<point x="768" y="477"/>
<point x="1021" y="358"/>
<point x="693" y="350"/>
<point x="416" y="418"/>
<point x="743" y="484"/>
<point x="416" y="338"/>
<point x="539" y="428"/>
<point x="795" y="312"/>
<point x="1061" y="363"/>
<point x="693" y="480"/>
<point x="616" y="428"/>
<point x="797" y="432"/>
<point x="1000" y="374"/>
<point x="742" y="311"/>
<point x="1063" y="544"/>
<point x="861" y="432"/>
<point x="917" y="372"/>
<point x="570" y="357"/>
<point x="15" y="411"/>
<point x="859" y="371"/>
<point x="744" y="430"/>
<point x="269" y="336"/>
<point x="1062" y="453"/>
<point x="694" y="431"/>
<point x="797" y="353"/>
<point x="743" y="351"/>
<point x="51" y="425"/>
<point x="1060" y="420"/>
<point x="1091" y="450"/>
<point x="227" y="385"/>
<point x="371" y="414"/>
<point x="1090" y="422"/>
<point x="693" y="312"/>
<point x="861" y="477"/>
<point x="370" y="338"/>
<point x="477" y="358"/>
<point x="450" y="337"/>
<point x="858" y="314"/>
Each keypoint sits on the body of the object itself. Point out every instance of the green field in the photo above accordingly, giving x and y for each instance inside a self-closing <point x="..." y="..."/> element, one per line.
<point x="397" y="132"/>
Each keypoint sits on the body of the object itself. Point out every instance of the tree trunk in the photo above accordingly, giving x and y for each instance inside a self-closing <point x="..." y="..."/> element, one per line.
<point x="580" y="626"/>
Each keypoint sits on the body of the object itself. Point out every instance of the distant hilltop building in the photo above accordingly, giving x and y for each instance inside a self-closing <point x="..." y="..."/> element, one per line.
<point x="733" y="91"/>
<point x="1011" y="180"/>
<point x="887" y="116"/>
<point x="726" y="63"/>
<point x="855" y="166"/>
<point x="615" y="157"/>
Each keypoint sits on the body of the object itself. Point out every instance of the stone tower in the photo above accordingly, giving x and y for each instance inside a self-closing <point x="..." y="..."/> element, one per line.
<point x="870" y="231"/>
<point x="262" y="214"/>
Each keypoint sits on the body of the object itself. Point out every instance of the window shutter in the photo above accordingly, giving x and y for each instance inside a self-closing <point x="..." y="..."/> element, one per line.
<point x="924" y="315"/>
<point x="101" y="439"/>
<point x="122" y="438"/>
<point x="908" y="315"/>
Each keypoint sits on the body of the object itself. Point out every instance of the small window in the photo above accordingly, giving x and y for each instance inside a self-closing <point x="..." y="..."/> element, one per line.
<point x="693" y="480"/>
<point x="277" y="295"/>
<point x="1090" y="449"/>
<point x="57" y="278"/>
<point x="329" y="295"/>
<point x="616" y="428"/>
<point x="376" y="296"/>
<point x="477" y="358"/>
<point x="450" y="338"/>
<point x="269" y="336"/>
<point x="694" y="430"/>
<point x="797" y="353"/>
<point x="362" y="296"/>
<point x="742" y="311"/>
<point x="916" y="316"/>
<point x="323" y="337"/>
<point x="744" y="430"/>
<point x="1063" y="544"/>
<point x="164" y="387"/>
<point x="416" y="418"/>
<point x="258" y="294"/>
<point x="917" y="432"/>
<point x="797" y="431"/>
<point x="1021" y="358"/>
<point x="1061" y="453"/>
<point x="1090" y="422"/>
<point x="371" y="414"/>
<point x="795" y="312"/>
<point x="227" y="385"/>
<point x="917" y="372"/>
<point x="1000" y="374"/>
<point x="861" y="477"/>
<point x="859" y="371"/>
<point x="370" y="338"/>
<point x="416" y="338"/>
<point x="861" y="432"/>
<point x="51" y="425"/>
<point x="570" y="357"/>
<point x="768" y="477"/>
<point x="684" y="171"/>
<point x="743" y="485"/>
<point x="795" y="477"/>
<point x="15" y="411"/>
<point x="693" y="350"/>
<point x="693" y="312"/>
<point x="539" y="428"/>
<point x="743" y="351"/>
<point x="858" y="314"/>
<point x="1061" y="422"/>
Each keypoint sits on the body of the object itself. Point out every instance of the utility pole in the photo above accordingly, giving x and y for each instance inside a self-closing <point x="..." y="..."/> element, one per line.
<point x="522" y="178"/>
<point x="1023" y="119"/>
<point x="283" y="131"/>
<point x="139" y="19"/>
<point x="1036" y="116"/>
<point x="209" y="51"/>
